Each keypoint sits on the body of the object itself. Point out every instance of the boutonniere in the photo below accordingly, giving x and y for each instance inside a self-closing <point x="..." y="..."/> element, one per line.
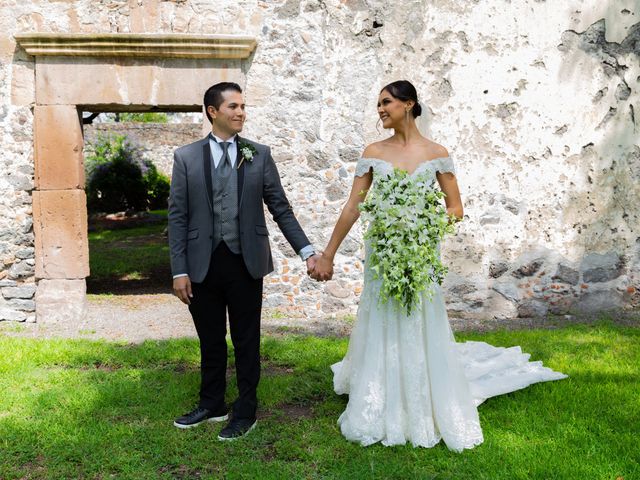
<point x="247" y="152"/>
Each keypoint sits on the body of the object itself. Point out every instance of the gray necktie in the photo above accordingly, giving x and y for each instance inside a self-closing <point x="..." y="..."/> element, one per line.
<point x="224" y="166"/>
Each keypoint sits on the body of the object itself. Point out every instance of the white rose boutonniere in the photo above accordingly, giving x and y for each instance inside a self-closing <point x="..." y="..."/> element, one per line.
<point x="247" y="152"/>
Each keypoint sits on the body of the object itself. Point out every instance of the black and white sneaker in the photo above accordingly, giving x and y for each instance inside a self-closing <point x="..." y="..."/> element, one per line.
<point x="237" y="428"/>
<point x="199" y="415"/>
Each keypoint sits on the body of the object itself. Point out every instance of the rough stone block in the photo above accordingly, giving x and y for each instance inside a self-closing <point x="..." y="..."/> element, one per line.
<point x="11" y="314"/>
<point x="599" y="301"/>
<point x="22" y="305"/>
<point x="60" y="227"/>
<point x="23" y="291"/>
<point x="528" y="269"/>
<point x="61" y="301"/>
<point x="23" y="83"/>
<point x="508" y="290"/>
<point x="532" y="308"/>
<point x="22" y="269"/>
<point x="601" y="268"/>
<point x="496" y="269"/>
<point x="566" y="274"/>
<point x="130" y="81"/>
<point x="58" y="148"/>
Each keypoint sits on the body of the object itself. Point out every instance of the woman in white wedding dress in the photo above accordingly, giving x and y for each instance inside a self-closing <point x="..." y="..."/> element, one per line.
<point x="406" y="377"/>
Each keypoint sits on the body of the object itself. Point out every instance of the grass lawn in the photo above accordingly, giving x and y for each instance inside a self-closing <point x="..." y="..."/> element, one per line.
<point x="130" y="259"/>
<point x="82" y="409"/>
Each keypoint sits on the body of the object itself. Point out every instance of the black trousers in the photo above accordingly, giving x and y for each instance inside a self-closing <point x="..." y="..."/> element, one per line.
<point x="228" y="286"/>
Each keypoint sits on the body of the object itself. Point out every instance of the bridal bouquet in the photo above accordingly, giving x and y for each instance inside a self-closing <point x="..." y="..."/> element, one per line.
<point x="406" y="221"/>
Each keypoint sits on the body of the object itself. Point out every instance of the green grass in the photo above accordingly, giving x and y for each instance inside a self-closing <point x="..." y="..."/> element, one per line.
<point x="86" y="409"/>
<point x="130" y="260"/>
<point x="128" y="253"/>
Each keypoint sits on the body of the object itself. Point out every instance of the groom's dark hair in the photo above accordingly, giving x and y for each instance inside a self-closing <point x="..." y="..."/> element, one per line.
<point x="213" y="95"/>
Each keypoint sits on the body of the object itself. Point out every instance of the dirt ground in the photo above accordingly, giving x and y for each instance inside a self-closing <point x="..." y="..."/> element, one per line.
<point x="136" y="318"/>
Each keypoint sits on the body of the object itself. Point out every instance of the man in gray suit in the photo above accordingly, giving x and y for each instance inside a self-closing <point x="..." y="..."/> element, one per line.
<point x="220" y="252"/>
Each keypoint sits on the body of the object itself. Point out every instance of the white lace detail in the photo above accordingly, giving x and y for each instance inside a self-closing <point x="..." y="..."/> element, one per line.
<point x="407" y="378"/>
<point x="441" y="164"/>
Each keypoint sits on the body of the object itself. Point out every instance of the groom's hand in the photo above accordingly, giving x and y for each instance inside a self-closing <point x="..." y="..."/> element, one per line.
<point x="323" y="270"/>
<point x="182" y="289"/>
<point x="311" y="263"/>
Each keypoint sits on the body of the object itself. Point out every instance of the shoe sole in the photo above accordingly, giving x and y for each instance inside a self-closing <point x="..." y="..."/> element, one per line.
<point x="231" y="439"/>
<point x="223" y="418"/>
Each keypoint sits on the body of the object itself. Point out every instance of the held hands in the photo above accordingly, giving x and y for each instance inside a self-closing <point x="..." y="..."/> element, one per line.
<point x="321" y="269"/>
<point x="182" y="289"/>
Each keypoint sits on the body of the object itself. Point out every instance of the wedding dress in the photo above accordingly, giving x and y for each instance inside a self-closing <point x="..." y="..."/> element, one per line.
<point x="406" y="377"/>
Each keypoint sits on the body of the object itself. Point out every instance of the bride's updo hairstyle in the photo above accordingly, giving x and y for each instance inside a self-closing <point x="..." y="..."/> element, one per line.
<point x="404" y="90"/>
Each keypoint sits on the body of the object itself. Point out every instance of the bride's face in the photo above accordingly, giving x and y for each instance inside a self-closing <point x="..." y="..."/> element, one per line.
<point x="391" y="110"/>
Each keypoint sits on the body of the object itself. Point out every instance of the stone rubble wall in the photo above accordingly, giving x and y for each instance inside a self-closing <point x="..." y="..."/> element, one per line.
<point x="535" y="100"/>
<point x="156" y="141"/>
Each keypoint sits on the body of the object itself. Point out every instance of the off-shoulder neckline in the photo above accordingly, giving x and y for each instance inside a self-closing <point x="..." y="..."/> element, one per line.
<point x="420" y="164"/>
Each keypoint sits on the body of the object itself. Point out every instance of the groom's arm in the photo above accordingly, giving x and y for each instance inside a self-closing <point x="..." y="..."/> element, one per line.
<point x="281" y="210"/>
<point x="178" y="217"/>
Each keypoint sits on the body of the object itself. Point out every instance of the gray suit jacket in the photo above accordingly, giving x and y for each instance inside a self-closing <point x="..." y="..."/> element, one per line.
<point x="191" y="213"/>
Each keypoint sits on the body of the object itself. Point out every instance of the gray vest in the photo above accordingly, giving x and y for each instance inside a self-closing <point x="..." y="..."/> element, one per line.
<point x="226" y="224"/>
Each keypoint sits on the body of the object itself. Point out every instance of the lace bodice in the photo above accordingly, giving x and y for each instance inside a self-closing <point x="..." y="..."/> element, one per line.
<point x="379" y="166"/>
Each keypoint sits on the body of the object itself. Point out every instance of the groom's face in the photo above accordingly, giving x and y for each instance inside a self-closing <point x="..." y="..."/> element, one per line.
<point x="229" y="117"/>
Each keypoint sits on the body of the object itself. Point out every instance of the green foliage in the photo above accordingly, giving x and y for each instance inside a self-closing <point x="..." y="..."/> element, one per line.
<point x="63" y="401"/>
<point x="147" y="117"/>
<point x="119" y="180"/>
<point x="157" y="185"/>
<point x="406" y="222"/>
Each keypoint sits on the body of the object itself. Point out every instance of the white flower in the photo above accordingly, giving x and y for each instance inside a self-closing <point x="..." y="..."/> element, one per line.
<point x="406" y="223"/>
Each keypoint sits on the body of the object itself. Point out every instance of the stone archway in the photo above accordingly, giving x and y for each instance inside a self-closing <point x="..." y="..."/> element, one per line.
<point x="102" y="72"/>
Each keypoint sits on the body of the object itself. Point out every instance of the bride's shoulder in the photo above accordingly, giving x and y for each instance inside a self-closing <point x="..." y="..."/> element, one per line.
<point x="435" y="150"/>
<point x="373" y="150"/>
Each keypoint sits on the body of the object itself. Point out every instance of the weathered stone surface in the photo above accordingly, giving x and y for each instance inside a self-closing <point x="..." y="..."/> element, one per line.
<point x="11" y="314"/>
<point x="528" y="269"/>
<point x="156" y="141"/>
<point x="58" y="148"/>
<point x="24" y="291"/>
<point x="129" y="81"/>
<point x="60" y="301"/>
<point x="566" y="274"/>
<point x="60" y="226"/>
<point x="532" y="308"/>
<point x="22" y="304"/>
<point x="496" y="269"/>
<point x="601" y="267"/>
<point x="509" y="291"/>
<point x="334" y="289"/>
<point x="25" y="253"/>
<point x="598" y="301"/>
<point x="23" y="84"/>
<point x="561" y="168"/>
<point x="20" y="270"/>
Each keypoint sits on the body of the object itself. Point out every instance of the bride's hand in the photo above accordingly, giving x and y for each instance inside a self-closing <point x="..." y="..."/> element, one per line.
<point x="323" y="270"/>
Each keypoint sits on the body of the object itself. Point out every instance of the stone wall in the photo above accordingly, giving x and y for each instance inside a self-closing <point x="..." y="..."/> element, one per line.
<point x="535" y="101"/>
<point x="156" y="141"/>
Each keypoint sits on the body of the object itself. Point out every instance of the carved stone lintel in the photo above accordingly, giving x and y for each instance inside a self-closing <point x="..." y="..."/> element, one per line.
<point x="137" y="45"/>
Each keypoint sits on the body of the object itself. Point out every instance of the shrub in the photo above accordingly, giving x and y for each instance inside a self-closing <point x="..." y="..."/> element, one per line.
<point x="157" y="185"/>
<point x="144" y="117"/>
<point x="118" y="179"/>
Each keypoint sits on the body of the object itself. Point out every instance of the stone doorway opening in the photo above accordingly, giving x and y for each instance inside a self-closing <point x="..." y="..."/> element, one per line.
<point x="102" y="72"/>
<point x="128" y="161"/>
